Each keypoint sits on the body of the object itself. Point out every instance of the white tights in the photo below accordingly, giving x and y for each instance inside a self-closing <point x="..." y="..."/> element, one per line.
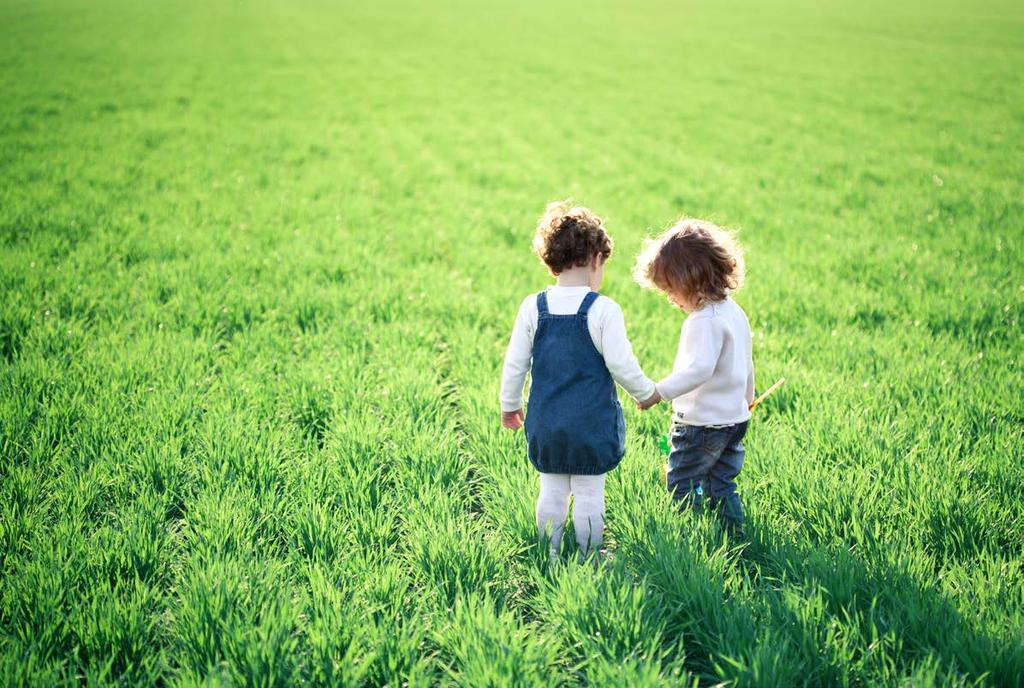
<point x="587" y="511"/>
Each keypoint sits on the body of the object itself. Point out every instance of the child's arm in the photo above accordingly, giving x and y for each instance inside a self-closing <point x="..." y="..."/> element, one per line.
<point x="618" y="356"/>
<point x="701" y="345"/>
<point x="517" y="364"/>
<point x="750" y="383"/>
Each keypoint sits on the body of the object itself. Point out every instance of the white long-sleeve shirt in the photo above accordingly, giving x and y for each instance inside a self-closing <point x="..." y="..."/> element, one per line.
<point x="712" y="380"/>
<point x="607" y="330"/>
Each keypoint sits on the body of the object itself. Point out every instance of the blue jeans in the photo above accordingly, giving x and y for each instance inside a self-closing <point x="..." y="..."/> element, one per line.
<point x="708" y="457"/>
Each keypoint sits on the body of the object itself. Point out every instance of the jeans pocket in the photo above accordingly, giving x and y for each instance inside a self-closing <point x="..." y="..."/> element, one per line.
<point x="714" y="440"/>
<point x="687" y="436"/>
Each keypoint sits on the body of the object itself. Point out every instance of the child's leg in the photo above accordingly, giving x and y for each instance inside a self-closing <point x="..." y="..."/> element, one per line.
<point x="588" y="511"/>
<point x="722" y="480"/>
<point x="688" y="464"/>
<point x="553" y="507"/>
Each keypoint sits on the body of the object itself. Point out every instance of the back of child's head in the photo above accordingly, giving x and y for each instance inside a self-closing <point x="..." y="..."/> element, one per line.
<point x="693" y="259"/>
<point x="570" y="236"/>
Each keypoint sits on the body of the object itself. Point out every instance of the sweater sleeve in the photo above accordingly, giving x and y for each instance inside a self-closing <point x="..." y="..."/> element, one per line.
<point x="750" y="383"/>
<point x="618" y="355"/>
<point x="517" y="360"/>
<point x="701" y="346"/>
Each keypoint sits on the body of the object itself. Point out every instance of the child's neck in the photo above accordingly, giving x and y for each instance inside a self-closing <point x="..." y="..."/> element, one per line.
<point x="574" y="277"/>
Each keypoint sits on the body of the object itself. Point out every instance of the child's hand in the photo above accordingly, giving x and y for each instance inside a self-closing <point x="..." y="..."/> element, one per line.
<point x="654" y="399"/>
<point x="513" y="420"/>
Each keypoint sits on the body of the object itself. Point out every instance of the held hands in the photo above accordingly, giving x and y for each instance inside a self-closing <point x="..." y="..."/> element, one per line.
<point x="513" y="420"/>
<point x="652" y="401"/>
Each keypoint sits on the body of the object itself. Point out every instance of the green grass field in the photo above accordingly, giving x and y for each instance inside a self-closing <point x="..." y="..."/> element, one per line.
<point x="259" y="262"/>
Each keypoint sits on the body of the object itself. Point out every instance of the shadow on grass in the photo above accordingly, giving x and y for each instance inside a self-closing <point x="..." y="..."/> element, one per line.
<point x="769" y="611"/>
<point x="898" y="622"/>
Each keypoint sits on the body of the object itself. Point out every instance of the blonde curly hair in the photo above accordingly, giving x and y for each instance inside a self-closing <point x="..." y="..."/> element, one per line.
<point x="693" y="259"/>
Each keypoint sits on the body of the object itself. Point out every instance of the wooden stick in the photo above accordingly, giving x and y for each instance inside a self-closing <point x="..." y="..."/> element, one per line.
<point x="764" y="395"/>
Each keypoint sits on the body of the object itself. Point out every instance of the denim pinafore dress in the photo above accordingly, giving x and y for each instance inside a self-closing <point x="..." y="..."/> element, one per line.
<point x="574" y="422"/>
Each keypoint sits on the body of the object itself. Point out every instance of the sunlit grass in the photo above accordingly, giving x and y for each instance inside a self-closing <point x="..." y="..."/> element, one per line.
<point x="259" y="262"/>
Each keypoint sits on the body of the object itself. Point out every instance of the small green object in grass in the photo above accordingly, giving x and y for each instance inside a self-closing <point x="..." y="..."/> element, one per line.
<point x="665" y="444"/>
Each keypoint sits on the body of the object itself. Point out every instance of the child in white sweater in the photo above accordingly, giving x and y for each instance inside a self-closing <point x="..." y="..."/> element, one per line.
<point x="573" y="342"/>
<point x="697" y="265"/>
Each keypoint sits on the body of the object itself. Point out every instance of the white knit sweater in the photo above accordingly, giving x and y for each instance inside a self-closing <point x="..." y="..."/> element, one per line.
<point x="712" y="380"/>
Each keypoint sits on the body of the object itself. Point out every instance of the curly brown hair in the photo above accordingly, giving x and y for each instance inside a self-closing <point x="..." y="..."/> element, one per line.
<point x="569" y="236"/>
<point x="693" y="259"/>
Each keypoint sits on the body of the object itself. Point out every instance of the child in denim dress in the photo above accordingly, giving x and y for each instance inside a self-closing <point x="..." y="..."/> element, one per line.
<point x="573" y="342"/>
<point x="697" y="265"/>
